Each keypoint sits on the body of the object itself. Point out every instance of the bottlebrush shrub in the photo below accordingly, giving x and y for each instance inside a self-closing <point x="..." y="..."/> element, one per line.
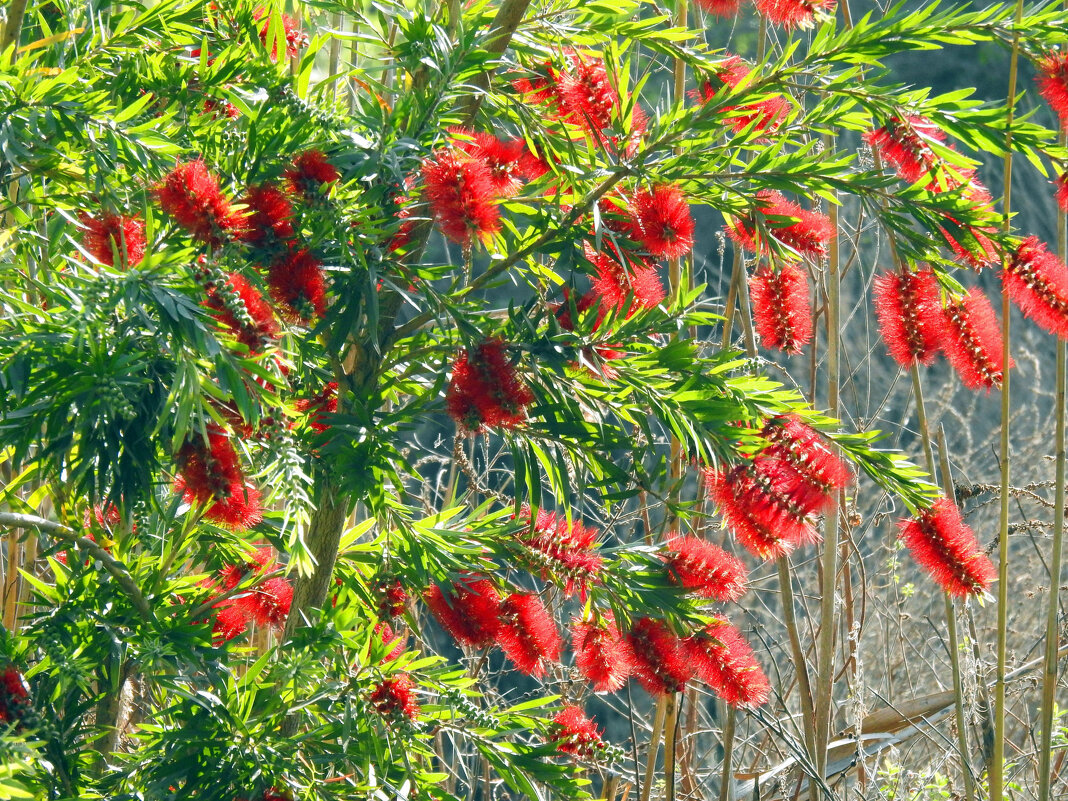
<point x="349" y="330"/>
<point x="1037" y="282"/>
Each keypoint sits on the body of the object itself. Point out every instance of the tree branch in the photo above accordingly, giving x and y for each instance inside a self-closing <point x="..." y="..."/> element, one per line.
<point x="117" y="570"/>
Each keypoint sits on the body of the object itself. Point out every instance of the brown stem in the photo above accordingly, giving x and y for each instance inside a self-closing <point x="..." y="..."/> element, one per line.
<point x="16" y="12"/>
<point x="726" y="782"/>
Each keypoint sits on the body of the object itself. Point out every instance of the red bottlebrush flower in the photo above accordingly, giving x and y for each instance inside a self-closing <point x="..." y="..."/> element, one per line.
<point x="807" y="234"/>
<point x="946" y="547"/>
<point x="576" y="734"/>
<point x="659" y="660"/>
<point x="230" y="622"/>
<point x="14" y="695"/>
<point x="721" y="8"/>
<point x="62" y="556"/>
<point x="766" y="523"/>
<point x="309" y="171"/>
<point x="469" y="613"/>
<point x="191" y="195"/>
<point x="528" y="634"/>
<point x="1053" y="83"/>
<point x="395" y="696"/>
<point x="661" y="222"/>
<point x="801" y="464"/>
<point x="486" y="390"/>
<point x="1037" y="282"/>
<point x="389" y="639"/>
<point x="904" y="142"/>
<point x="586" y="96"/>
<point x="541" y="86"/>
<point x="270" y="215"/>
<point x="781" y="311"/>
<point x="323" y="403"/>
<point x="973" y="341"/>
<point x="461" y="193"/>
<point x="505" y="160"/>
<point x="298" y="284"/>
<point x="794" y="13"/>
<point x="106" y="518"/>
<point x="270" y="602"/>
<point x="244" y="311"/>
<point x="910" y="317"/>
<point x="113" y="235"/>
<point x="267" y="603"/>
<point x="602" y="655"/>
<point x="212" y="106"/>
<point x="392" y="598"/>
<point x="623" y="289"/>
<point x="706" y="569"/>
<point x="1062" y="192"/>
<point x="766" y="115"/>
<point x="725" y="662"/>
<point x="562" y="550"/>
<point x="294" y="37"/>
<point x="210" y="472"/>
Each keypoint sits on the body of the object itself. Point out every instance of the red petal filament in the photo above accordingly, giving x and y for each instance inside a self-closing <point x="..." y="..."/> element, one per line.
<point x="973" y="341"/>
<point x="909" y="311"/>
<point x="946" y="547"/>
<point x="485" y="390"/>
<point x="1037" y="282"/>
<point x="781" y="312"/>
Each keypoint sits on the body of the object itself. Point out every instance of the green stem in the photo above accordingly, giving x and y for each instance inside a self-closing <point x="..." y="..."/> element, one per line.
<point x="997" y="769"/>
<point x="1049" y="676"/>
<point x="954" y="642"/>
<point x="825" y="653"/>
<point x="726" y="782"/>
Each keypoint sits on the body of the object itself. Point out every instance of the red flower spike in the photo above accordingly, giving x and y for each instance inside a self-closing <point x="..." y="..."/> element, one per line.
<point x="528" y="634"/>
<point x="586" y="96"/>
<point x="904" y="143"/>
<point x="239" y="510"/>
<point x="1053" y="83"/>
<point x="298" y="284"/>
<point x="294" y="37"/>
<point x="260" y="327"/>
<point x="271" y="601"/>
<point x="706" y="569"/>
<point x="562" y="550"/>
<point x="807" y="235"/>
<point x="262" y="562"/>
<point x="505" y="160"/>
<point x="1037" y="282"/>
<point x="1062" y="192"/>
<point x="230" y="622"/>
<point x="725" y="662"/>
<point x="910" y="317"/>
<point x="485" y="390"/>
<point x="721" y="8"/>
<point x="794" y="13"/>
<point x="781" y="312"/>
<point x="14" y="695"/>
<point x="113" y="235"/>
<point x="460" y="190"/>
<point x="801" y="465"/>
<point x="191" y="195"/>
<point x="946" y="547"/>
<point x="469" y="613"/>
<point x="395" y="696"/>
<point x="309" y="172"/>
<point x="210" y="472"/>
<point x="323" y="403"/>
<point x="392" y="598"/>
<point x="270" y="215"/>
<point x="766" y="523"/>
<point x="602" y="655"/>
<point x="659" y="660"/>
<point x="576" y="734"/>
<point x="627" y="290"/>
<point x="764" y="115"/>
<point x="396" y="643"/>
<point x="661" y="222"/>
<point x="973" y="341"/>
